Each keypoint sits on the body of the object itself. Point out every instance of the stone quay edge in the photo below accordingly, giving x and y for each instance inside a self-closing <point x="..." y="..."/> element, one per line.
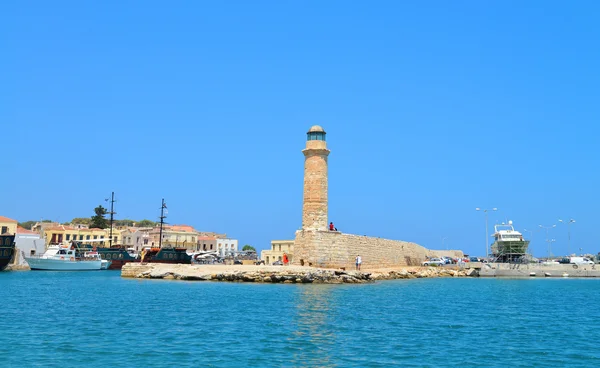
<point x="282" y="274"/>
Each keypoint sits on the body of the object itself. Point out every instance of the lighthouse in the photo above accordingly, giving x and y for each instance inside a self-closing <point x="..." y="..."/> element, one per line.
<point x="314" y="205"/>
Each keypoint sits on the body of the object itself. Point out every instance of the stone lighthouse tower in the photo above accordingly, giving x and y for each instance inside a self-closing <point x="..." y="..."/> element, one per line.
<point x="314" y="207"/>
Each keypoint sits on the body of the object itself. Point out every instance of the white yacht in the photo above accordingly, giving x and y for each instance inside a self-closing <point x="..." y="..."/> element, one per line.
<point x="67" y="258"/>
<point x="509" y="244"/>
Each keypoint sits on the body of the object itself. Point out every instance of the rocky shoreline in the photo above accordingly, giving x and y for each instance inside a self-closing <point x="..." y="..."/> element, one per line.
<point x="279" y="274"/>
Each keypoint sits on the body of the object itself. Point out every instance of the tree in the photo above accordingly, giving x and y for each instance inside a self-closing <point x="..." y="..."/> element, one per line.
<point x="124" y="222"/>
<point x="98" y="221"/>
<point x="27" y="224"/>
<point x="145" y="223"/>
<point x="248" y="247"/>
<point x="81" y="220"/>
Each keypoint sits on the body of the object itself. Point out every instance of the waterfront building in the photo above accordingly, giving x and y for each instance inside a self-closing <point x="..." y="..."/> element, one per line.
<point x="28" y="243"/>
<point x="134" y="237"/>
<point x="175" y="236"/>
<point x="8" y="225"/>
<point x="226" y="246"/>
<point x="278" y="247"/>
<point x="207" y="243"/>
<point x="63" y="233"/>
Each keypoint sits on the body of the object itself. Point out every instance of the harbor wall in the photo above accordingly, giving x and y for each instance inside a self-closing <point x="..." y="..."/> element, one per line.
<point x="333" y="249"/>
<point x="538" y="270"/>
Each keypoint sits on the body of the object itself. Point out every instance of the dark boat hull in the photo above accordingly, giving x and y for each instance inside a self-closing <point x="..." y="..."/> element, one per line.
<point x="7" y="250"/>
<point x="119" y="256"/>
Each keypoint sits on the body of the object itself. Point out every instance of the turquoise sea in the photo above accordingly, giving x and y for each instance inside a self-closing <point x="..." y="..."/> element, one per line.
<point x="98" y="319"/>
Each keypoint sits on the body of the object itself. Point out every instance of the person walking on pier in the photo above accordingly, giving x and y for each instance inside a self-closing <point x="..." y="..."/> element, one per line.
<point x="358" y="262"/>
<point x="285" y="259"/>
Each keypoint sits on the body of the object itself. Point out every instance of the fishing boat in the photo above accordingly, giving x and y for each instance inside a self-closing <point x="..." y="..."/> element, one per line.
<point x="67" y="258"/>
<point x="509" y="245"/>
<point x="7" y="249"/>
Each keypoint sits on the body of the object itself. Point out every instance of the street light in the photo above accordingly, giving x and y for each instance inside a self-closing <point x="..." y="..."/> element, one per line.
<point x="571" y="221"/>
<point x="548" y="240"/>
<point x="487" y="253"/>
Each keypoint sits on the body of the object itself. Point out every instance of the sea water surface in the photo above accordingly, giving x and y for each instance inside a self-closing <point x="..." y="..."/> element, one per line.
<point x="98" y="319"/>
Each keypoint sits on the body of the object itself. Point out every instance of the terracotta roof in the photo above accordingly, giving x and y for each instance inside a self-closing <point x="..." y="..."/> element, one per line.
<point x="22" y="230"/>
<point x="6" y="219"/>
<point x="187" y="228"/>
<point x="61" y="227"/>
<point x="207" y="238"/>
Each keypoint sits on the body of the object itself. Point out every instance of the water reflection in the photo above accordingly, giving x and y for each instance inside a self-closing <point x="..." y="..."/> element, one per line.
<point x="313" y="339"/>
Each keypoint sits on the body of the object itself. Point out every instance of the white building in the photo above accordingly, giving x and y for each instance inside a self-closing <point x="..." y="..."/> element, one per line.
<point x="28" y="243"/>
<point x="226" y="246"/>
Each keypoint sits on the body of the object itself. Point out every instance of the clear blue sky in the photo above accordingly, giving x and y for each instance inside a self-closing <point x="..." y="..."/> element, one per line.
<point x="432" y="108"/>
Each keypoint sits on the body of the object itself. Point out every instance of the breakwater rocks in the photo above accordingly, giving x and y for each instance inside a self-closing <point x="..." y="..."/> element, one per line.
<point x="280" y="274"/>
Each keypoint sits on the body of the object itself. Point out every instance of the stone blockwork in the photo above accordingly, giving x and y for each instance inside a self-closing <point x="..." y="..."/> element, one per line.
<point x="314" y="211"/>
<point x="332" y="249"/>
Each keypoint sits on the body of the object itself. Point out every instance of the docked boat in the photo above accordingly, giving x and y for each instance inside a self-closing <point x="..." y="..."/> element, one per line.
<point x="67" y="258"/>
<point x="119" y="255"/>
<point x="509" y="245"/>
<point x="7" y="249"/>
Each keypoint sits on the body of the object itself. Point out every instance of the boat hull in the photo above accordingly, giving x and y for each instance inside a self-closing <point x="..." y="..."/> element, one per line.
<point x="7" y="250"/>
<point x="120" y="256"/>
<point x="45" y="264"/>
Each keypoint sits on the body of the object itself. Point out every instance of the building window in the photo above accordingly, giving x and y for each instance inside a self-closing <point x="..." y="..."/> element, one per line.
<point x="4" y="229"/>
<point x="68" y="236"/>
<point x="95" y="237"/>
<point x="211" y="246"/>
<point x="80" y="237"/>
<point x="87" y="237"/>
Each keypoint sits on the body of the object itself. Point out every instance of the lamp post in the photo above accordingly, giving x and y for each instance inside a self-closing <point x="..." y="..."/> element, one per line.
<point x="487" y="253"/>
<point x="571" y="221"/>
<point x="548" y="240"/>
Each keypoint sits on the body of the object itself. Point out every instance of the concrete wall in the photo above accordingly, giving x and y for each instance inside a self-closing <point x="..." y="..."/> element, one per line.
<point x="332" y="249"/>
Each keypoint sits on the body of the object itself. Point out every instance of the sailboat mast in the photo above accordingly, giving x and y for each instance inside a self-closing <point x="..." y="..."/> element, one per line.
<point x="162" y="218"/>
<point x="112" y="213"/>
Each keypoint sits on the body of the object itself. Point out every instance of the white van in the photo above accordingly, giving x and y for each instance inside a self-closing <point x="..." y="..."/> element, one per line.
<point x="580" y="260"/>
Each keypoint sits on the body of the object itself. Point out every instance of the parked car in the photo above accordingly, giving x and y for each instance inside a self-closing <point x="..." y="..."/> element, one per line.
<point x="448" y="260"/>
<point x="580" y="260"/>
<point x="237" y="262"/>
<point x="277" y="263"/>
<point x="473" y="259"/>
<point x="434" y="262"/>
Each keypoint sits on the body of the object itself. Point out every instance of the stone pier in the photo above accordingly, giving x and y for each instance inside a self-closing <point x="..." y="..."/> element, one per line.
<point x="280" y="274"/>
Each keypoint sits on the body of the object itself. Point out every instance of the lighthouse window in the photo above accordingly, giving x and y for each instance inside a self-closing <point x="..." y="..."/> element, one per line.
<point x="315" y="136"/>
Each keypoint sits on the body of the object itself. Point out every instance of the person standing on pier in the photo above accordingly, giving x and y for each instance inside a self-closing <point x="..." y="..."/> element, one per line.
<point x="285" y="259"/>
<point x="358" y="262"/>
